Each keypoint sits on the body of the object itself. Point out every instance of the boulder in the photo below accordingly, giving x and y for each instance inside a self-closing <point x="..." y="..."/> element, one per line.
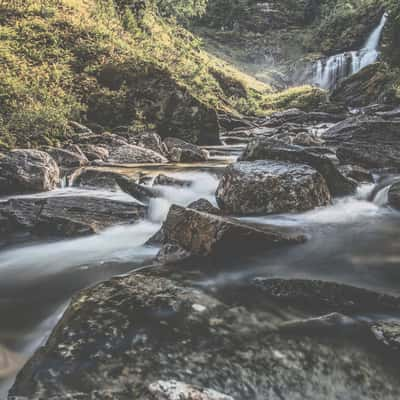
<point x="67" y="159"/>
<point x="181" y="151"/>
<point x="204" y="205"/>
<point x="95" y="178"/>
<point x="140" y="336"/>
<point x="394" y="196"/>
<point x="139" y="192"/>
<point x="201" y="234"/>
<point x="269" y="149"/>
<point x="326" y="296"/>
<point x="66" y="215"/>
<point x="267" y="187"/>
<point x="151" y="141"/>
<point x="24" y="171"/>
<point x="131" y="154"/>
<point x="93" y="152"/>
<point x="165" y="180"/>
<point x="368" y="141"/>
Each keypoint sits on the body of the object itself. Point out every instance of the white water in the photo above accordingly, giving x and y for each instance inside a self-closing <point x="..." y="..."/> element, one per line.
<point x="204" y="186"/>
<point x="329" y="72"/>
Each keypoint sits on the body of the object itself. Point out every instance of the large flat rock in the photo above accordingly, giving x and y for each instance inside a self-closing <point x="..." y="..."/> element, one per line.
<point x="66" y="215"/>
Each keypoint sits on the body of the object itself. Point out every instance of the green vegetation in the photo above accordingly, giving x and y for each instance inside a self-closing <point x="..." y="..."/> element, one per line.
<point x="100" y="61"/>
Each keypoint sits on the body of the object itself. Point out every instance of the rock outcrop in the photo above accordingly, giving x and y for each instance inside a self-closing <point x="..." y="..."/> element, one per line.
<point x="66" y="216"/>
<point x="267" y="187"/>
<point x="201" y="235"/>
<point x="267" y="149"/>
<point x="24" y="171"/>
<point x="181" y="151"/>
<point x="163" y="339"/>
<point x="368" y="141"/>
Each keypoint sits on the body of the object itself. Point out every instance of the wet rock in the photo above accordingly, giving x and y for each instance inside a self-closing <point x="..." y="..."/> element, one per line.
<point x="121" y="337"/>
<point x="357" y="173"/>
<point x="203" y="234"/>
<point x="326" y="296"/>
<point x="368" y="141"/>
<point x="96" y="178"/>
<point x="387" y="333"/>
<point x="394" y="196"/>
<point x="330" y="324"/>
<point x="93" y="152"/>
<point x="130" y="154"/>
<point x="267" y="149"/>
<point x="267" y="187"/>
<point x="25" y="170"/>
<point x="173" y="390"/>
<point x="181" y="151"/>
<point x="67" y="159"/>
<point x="66" y="215"/>
<point x="151" y="141"/>
<point x="204" y="205"/>
<point x="139" y="192"/>
<point x="370" y="85"/>
<point x="165" y="180"/>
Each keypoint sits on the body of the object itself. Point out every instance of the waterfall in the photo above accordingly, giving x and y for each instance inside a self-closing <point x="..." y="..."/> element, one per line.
<point x="329" y="72"/>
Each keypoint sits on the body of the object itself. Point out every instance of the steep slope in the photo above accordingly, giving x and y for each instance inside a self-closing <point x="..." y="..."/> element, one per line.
<point x="99" y="61"/>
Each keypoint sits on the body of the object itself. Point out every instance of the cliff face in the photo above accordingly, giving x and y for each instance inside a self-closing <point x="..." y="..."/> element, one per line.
<point x="276" y="39"/>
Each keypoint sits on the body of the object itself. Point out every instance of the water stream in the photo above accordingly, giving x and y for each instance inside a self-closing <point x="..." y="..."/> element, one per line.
<point x="353" y="240"/>
<point x="327" y="73"/>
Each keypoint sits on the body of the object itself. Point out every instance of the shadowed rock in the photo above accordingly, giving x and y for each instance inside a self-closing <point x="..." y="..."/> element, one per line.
<point x="66" y="215"/>
<point x="147" y="331"/>
<point x="326" y="296"/>
<point x="139" y="192"/>
<point x="394" y="196"/>
<point x="201" y="234"/>
<point x="165" y="180"/>
<point x="368" y="141"/>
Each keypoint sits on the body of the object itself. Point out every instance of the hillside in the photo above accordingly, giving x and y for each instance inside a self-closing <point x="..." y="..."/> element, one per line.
<point x="94" y="62"/>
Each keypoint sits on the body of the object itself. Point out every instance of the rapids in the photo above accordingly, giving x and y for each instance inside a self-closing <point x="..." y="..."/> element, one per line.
<point x="355" y="240"/>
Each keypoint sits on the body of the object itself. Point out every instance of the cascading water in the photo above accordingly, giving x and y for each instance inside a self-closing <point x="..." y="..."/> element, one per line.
<point x="329" y="72"/>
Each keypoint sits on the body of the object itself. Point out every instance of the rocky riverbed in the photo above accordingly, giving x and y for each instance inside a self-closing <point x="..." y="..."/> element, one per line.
<point x="264" y="267"/>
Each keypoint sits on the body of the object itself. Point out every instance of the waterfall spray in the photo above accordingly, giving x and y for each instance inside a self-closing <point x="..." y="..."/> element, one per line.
<point x="328" y="73"/>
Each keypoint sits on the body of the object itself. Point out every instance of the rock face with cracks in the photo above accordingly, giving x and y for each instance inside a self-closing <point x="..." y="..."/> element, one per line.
<point x="268" y="187"/>
<point x="147" y="337"/>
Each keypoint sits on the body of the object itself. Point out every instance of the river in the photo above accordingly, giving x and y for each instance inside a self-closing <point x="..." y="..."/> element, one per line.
<point x="352" y="241"/>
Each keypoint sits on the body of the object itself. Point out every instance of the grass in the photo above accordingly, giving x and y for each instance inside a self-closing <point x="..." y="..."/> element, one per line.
<point x="68" y="60"/>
